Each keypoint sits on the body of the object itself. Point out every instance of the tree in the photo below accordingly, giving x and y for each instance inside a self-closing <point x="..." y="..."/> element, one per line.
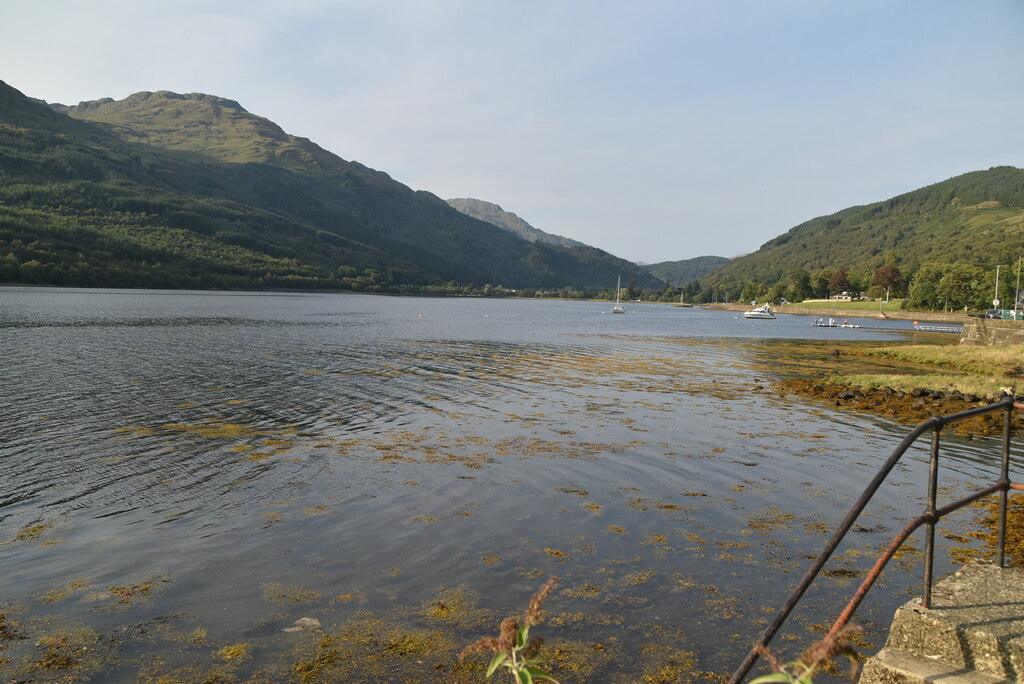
<point x="691" y="291"/>
<point x="752" y="291"/>
<point x="923" y="293"/>
<point x="859" y="281"/>
<point x="961" y="286"/>
<point x="798" y="285"/>
<point x="819" y="283"/>
<point x="839" y="282"/>
<point x="669" y="294"/>
<point x="775" y="293"/>
<point x="730" y="291"/>
<point x="889" y="277"/>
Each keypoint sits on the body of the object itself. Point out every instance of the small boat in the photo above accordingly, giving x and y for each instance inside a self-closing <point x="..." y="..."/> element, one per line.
<point x="764" y="311"/>
<point x="832" y="323"/>
<point x="618" y="308"/>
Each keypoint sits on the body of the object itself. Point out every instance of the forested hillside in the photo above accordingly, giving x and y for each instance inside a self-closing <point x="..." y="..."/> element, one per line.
<point x="168" y="190"/>
<point x="955" y="232"/>
<point x="679" y="273"/>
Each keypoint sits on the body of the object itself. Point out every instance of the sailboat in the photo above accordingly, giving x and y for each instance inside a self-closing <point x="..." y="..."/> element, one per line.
<point x="618" y="308"/>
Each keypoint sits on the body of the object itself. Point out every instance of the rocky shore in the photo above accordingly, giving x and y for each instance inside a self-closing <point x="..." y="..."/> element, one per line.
<point x="911" y="407"/>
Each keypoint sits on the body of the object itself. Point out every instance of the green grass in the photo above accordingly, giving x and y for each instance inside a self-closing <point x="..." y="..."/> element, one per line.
<point x="993" y="361"/>
<point x="981" y="371"/>
<point x="981" y="386"/>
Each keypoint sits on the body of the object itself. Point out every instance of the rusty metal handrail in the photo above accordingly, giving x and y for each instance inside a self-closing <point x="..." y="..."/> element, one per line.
<point x="931" y="515"/>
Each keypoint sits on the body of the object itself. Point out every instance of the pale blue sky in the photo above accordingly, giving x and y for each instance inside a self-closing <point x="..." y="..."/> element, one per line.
<point x="653" y="129"/>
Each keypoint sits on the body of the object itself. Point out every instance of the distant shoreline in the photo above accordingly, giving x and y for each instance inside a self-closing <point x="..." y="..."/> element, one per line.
<point x="838" y="312"/>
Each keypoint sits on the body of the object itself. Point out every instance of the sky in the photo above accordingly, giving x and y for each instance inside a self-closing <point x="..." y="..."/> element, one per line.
<point x="656" y="130"/>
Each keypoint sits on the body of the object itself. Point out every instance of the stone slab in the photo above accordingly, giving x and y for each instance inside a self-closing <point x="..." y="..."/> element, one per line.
<point x="891" y="666"/>
<point x="975" y="624"/>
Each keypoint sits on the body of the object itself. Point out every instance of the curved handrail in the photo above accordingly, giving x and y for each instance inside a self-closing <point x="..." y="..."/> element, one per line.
<point x="930" y="517"/>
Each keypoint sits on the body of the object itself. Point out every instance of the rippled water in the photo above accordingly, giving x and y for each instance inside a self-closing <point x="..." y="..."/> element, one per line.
<point x="185" y="472"/>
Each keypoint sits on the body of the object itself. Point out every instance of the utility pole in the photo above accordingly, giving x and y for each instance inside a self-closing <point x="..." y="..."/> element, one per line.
<point x="1016" y="293"/>
<point x="995" y="300"/>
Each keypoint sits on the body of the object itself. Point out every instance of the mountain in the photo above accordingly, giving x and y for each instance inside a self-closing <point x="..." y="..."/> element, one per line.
<point x="976" y="218"/>
<point x="496" y="216"/>
<point x="685" y="271"/>
<point x="168" y="190"/>
<point x="211" y="126"/>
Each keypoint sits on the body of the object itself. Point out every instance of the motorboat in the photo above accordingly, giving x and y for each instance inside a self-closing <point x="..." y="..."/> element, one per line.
<point x="764" y="311"/>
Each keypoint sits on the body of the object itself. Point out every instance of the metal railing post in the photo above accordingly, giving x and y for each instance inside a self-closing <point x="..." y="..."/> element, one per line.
<point x="930" y="517"/>
<point x="1004" y="479"/>
<point x="929" y="540"/>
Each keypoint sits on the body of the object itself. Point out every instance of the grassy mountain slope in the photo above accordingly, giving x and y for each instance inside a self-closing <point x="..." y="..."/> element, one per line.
<point x="214" y="127"/>
<point x="687" y="270"/>
<point x="78" y="206"/>
<point x="977" y="218"/>
<point x="174" y="190"/>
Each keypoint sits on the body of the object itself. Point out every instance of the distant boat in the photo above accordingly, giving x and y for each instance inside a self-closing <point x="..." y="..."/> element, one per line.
<point x="618" y="308"/>
<point x="764" y="311"/>
<point x="832" y="323"/>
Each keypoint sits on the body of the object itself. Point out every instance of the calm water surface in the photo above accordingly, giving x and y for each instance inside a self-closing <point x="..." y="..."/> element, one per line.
<point x="185" y="472"/>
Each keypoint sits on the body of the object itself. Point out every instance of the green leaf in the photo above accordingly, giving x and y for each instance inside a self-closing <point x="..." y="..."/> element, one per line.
<point x="521" y="635"/>
<point x="496" y="662"/>
<point x="774" y="677"/>
<point x="525" y="677"/>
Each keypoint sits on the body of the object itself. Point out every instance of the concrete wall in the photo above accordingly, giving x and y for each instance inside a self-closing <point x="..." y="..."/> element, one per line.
<point x="992" y="333"/>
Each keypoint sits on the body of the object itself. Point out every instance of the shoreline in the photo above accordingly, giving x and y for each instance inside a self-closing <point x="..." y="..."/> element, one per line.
<point x="910" y="408"/>
<point x="826" y="312"/>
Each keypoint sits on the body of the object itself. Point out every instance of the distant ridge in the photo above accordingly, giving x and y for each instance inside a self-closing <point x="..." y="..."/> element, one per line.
<point x="687" y="270"/>
<point x="495" y="215"/>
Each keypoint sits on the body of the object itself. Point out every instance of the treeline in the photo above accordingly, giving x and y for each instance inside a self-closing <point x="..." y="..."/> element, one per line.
<point x="35" y="249"/>
<point x="121" y="250"/>
<point x="932" y="286"/>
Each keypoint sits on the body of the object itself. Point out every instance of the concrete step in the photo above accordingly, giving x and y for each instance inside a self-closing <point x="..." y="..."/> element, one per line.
<point x="890" y="666"/>
<point x="975" y="626"/>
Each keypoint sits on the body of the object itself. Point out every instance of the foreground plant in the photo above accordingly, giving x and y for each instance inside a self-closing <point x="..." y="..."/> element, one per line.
<point x="513" y="649"/>
<point x="814" y="659"/>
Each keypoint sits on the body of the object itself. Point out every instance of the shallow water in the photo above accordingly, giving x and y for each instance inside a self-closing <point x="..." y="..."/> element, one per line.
<point x="187" y="471"/>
